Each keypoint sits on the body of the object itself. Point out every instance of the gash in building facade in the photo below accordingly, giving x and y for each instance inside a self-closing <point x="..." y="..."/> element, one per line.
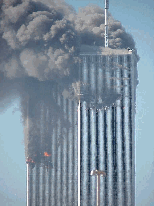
<point x="99" y="135"/>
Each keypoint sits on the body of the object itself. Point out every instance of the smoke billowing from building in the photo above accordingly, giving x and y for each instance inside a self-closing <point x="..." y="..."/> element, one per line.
<point x="40" y="45"/>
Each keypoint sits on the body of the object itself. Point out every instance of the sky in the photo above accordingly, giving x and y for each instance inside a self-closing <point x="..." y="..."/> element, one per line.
<point x="137" y="17"/>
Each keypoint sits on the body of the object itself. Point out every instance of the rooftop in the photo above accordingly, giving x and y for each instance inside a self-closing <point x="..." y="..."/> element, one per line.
<point x="97" y="50"/>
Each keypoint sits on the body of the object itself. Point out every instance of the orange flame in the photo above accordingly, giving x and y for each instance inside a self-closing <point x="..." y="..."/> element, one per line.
<point x="46" y="154"/>
<point x="29" y="160"/>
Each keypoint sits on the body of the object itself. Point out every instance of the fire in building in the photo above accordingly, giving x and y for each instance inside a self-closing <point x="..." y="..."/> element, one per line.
<point x="101" y="118"/>
<point x="78" y="94"/>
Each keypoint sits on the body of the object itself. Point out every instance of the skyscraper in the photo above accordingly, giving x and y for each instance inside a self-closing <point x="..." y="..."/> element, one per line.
<point x="108" y="124"/>
<point x="97" y="131"/>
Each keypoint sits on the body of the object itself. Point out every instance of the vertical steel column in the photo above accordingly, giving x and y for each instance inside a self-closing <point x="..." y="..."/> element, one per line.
<point x="81" y="156"/>
<point x="39" y="148"/>
<point x="58" y="140"/>
<point x="123" y="139"/>
<point x="89" y="158"/>
<point x="89" y="186"/>
<point x="61" y="159"/>
<point x="27" y="153"/>
<point x="37" y="189"/>
<point x="97" y="142"/>
<point x="106" y="157"/>
<point x="114" y="156"/>
<point x="43" y="186"/>
<point x="97" y="114"/>
<point x="62" y="154"/>
<point x="28" y="198"/>
<point x="50" y="167"/>
<point x="56" y="153"/>
<point x="49" y="188"/>
<point x="30" y="185"/>
<point x="73" y="155"/>
<point x="69" y="152"/>
<point x="134" y="82"/>
<point x="79" y="150"/>
<point x="64" y="158"/>
<point x="130" y="125"/>
<point x="67" y="157"/>
<point x="75" y="113"/>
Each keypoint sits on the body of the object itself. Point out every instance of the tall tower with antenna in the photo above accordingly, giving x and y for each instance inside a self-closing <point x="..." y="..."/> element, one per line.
<point x="95" y="133"/>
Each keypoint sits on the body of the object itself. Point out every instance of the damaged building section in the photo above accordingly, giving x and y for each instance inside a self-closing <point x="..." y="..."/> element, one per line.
<point x="106" y="92"/>
<point x="77" y="100"/>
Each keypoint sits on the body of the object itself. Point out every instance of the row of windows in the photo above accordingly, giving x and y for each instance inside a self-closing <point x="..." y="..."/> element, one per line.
<point x="106" y="58"/>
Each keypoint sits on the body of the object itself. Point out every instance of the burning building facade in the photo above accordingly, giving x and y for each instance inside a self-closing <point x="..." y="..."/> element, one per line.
<point x="52" y="167"/>
<point x="69" y="132"/>
<point x="94" y="129"/>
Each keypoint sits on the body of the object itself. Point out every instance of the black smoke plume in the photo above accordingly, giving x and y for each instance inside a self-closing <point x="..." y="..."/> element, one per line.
<point x="39" y="48"/>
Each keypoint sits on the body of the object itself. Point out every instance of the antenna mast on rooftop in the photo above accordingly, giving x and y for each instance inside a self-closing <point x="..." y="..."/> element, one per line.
<point x="106" y="22"/>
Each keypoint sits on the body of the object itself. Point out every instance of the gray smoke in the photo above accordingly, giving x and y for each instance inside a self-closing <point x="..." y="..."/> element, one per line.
<point x="90" y="24"/>
<point x="39" y="41"/>
<point x="39" y="46"/>
<point x="43" y="41"/>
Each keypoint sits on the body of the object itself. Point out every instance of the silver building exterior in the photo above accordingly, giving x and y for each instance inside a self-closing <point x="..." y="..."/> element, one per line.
<point x="108" y="125"/>
<point x="97" y="131"/>
<point x="53" y="180"/>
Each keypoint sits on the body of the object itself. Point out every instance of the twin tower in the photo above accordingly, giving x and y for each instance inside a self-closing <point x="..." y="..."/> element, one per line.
<point x="97" y="132"/>
<point x="93" y="131"/>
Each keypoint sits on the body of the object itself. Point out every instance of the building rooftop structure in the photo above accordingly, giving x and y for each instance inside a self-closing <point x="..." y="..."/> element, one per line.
<point x="98" y="50"/>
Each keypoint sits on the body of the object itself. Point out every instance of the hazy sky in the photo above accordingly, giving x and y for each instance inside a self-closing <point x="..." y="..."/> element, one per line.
<point x="138" y="19"/>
